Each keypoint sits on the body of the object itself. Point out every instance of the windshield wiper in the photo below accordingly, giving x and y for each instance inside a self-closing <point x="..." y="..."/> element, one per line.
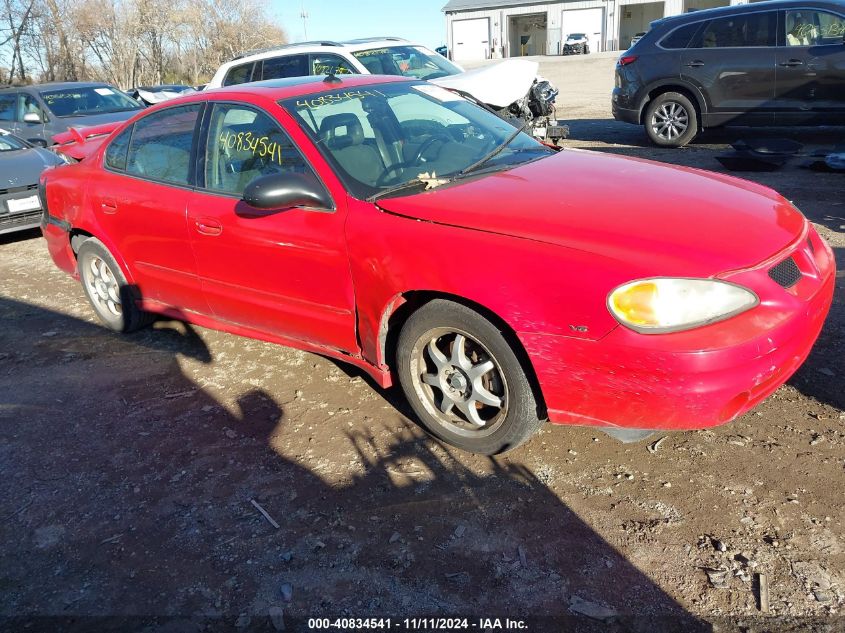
<point x="495" y="151"/>
<point x="415" y="182"/>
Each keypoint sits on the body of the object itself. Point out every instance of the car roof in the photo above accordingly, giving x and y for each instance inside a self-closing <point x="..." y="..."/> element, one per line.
<point x="56" y="85"/>
<point x="321" y="46"/>
<point x="753" y="7"/>
<point x="277" y="89"/>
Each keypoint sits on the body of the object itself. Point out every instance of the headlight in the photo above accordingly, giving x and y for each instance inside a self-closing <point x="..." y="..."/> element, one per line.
<point x="663" y="304"/>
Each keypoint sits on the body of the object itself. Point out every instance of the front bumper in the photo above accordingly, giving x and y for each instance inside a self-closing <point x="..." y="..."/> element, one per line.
<point x="22" y="218"/>
<point x="693" y="379"/>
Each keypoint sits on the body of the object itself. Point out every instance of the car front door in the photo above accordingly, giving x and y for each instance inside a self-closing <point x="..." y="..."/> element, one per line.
<point x="32" y="120"/>
<point x="283" y="272"/>
<point x="732" y="61"/>
<point x="811" y="67"/>
<point x="141" y="201"/>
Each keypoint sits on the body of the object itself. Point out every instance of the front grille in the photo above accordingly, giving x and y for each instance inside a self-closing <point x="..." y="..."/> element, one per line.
<point x="3" y="192"/>
<point x="20" y="221"/>
<point x="786" y="273"/>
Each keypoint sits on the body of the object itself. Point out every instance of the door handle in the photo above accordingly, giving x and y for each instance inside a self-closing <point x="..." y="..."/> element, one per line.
<point x="696" y="64"/>
<point x="792" y="62"/>
<point x="108" y="206"/>
<point x="207" y="226"/>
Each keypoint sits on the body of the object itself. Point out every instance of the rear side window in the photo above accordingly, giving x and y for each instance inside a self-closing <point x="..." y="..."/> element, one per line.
<point x="680" y="37"/>
<point x="287" y="66"/>
<point x="738" y="31"/>
<point x="161" y="145"/>
<point x="118" y="150"/>
<point x="239" y="75"/>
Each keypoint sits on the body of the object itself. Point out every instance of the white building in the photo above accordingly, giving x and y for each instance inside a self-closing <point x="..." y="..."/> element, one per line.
<point x="478" y="29"/>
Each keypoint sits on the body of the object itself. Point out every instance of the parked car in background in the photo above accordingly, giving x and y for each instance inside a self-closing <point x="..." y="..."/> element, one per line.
<point x="764" y="63"/>
<point x="150" y="95"/>
<point x="510" y="87"/>
<point x="38" y="112"/>
<point x="21" y="165"/>
<point x="637" y="38"/>
<point x="576" y="44"/>
<point x="391" y="224"/>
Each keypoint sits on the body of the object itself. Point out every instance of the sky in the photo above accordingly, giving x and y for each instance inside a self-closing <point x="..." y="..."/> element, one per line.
<point x="419" y="20"/>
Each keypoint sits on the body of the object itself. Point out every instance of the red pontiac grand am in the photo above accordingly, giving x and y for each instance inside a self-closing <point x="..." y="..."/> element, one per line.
<point x="398" y="227"/>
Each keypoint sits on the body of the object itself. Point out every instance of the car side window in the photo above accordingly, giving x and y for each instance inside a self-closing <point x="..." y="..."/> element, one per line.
<point x="118" y="150"/>
<point x="737" y="31"/>
<point x="330" y="64"/>
<point x="285" y="66"/>
<point x="244" y="144"/>
<point x="680" y="37"/>
<point x="813" y="28"/>
<point x="28" y="105"/>
<point x="161" y="145"/>
<point x="8" y="106"/>
<point x="239" y="75"/>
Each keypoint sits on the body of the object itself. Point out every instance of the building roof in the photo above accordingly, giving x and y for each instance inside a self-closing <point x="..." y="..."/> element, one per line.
<point x="468" y="5"/>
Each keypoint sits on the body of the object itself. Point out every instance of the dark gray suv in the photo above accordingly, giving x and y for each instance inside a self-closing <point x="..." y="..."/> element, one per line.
<point x="765" y="63"/>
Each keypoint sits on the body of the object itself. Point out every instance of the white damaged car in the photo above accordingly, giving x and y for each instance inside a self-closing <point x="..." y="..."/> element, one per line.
<point x="510" y="87"/>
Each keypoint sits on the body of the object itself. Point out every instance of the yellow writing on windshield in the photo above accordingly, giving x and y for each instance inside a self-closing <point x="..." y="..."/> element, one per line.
<point x="338" y="97"/>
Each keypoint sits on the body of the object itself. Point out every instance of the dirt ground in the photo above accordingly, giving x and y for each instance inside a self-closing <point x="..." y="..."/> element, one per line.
<point x="129" y="466"/>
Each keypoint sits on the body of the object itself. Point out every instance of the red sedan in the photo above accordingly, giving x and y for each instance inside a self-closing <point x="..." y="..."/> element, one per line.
<point x="398" y="227"/>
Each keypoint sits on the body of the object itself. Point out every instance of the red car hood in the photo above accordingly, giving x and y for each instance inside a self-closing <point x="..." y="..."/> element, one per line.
<point x="667" y="219"/>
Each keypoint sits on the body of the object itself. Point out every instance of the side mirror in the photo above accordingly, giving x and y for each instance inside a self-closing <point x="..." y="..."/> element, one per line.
<point x="32" y="117"/>
<point x="285" y="191"/>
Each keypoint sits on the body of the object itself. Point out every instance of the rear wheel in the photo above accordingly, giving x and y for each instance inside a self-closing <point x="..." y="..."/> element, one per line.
<point x="671" y="120"/>
<point x="464" y="381"/>
<point x="112" y="298"/>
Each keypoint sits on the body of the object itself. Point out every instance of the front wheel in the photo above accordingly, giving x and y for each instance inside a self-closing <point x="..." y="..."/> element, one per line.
<point x="110" y="295"/>
<point x="671" y="120"/>
<point x="464" y="381"/>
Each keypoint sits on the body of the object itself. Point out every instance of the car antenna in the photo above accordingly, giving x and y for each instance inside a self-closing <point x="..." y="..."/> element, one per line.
<point x="331" y="78"/>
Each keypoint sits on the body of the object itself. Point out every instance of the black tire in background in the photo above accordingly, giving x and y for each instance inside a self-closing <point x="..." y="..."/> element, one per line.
<point x="107" y="290"/>
<point x="678" y="113"/>
<point x="438" y="320"/>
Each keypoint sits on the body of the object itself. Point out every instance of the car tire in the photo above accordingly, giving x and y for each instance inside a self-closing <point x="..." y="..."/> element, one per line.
<point x="441" y="356"/>
<point x="670" y="120"/>
<point x="107" y="290"/>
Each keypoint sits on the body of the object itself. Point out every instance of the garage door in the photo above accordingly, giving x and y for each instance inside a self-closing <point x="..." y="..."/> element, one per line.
<point x="470" y="39"/>
<point x="589" y="21"/>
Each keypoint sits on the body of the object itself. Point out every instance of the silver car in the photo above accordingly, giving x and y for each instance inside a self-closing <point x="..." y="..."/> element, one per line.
<point x="37" y="113"/>
<point x="21" y="165"/>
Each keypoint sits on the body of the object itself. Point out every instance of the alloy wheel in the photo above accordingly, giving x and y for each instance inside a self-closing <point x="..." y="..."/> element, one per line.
<point x="103" y="288"/>
<point x="459" y="382"/>
<point x="670" y="121"/>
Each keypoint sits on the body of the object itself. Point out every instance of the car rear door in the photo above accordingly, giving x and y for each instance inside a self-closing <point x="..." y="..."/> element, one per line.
<point x="732" y="62"/>
<point x="284" y="272"/>
<point x="140" y="199"/>
<point x="811" y="67"/>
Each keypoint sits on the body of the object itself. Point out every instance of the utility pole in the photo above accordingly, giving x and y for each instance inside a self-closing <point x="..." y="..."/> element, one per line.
<point x="304" y="15"/>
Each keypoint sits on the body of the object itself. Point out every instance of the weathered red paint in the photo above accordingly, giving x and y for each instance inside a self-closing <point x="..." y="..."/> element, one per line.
<point x="539" y="247"/>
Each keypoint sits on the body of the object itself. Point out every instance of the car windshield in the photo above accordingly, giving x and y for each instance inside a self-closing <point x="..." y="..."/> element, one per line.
<point x="9" y="143"/>
<point x="384" y="136"/>
<point x="408" y="61"/>
<point x="77" y="101"/>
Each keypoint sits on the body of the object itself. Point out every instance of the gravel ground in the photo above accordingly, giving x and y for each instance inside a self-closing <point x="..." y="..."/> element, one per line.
<point x="129" y="467"/>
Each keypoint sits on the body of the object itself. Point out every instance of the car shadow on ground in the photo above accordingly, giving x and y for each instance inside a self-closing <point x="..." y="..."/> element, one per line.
<point x="127" y="503"/>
